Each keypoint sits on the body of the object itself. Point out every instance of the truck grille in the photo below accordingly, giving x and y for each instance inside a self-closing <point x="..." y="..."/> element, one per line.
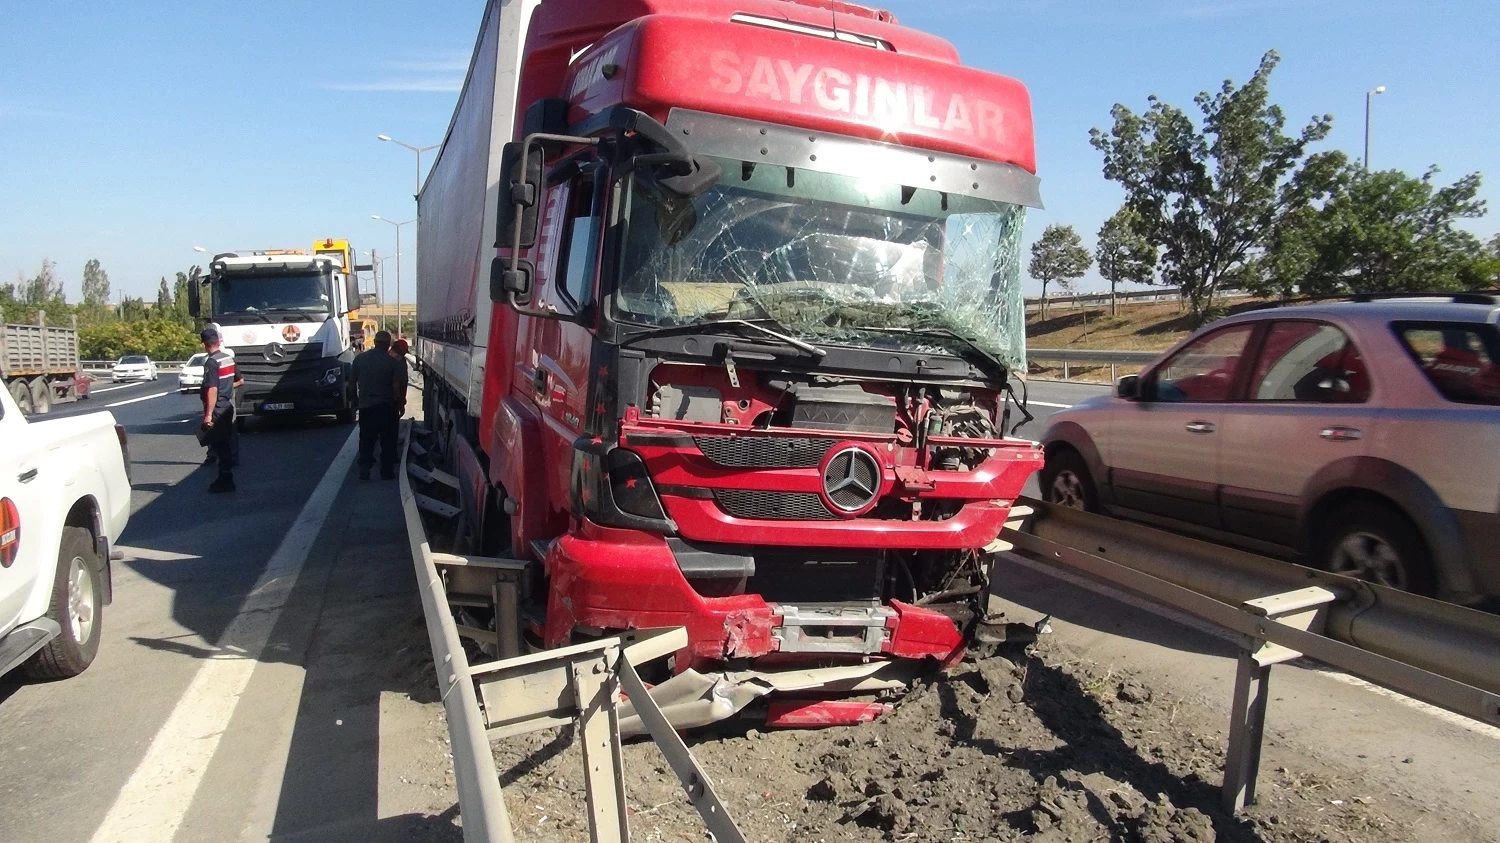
<point x="254" y="367"/>
<point x="773" y="506"/>
<point x="763" y="451"/>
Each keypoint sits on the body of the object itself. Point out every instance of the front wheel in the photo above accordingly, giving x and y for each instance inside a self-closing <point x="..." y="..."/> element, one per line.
<point x="77" y="597"/>
<point x="1066" y="481"/>
<point x="1376" y="543"/>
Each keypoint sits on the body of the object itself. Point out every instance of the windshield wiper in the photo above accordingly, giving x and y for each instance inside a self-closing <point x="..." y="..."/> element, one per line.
<point x="725" y="350"/>
<point x="256" y="313"/>
<point x="943" y="332"/>
<point x="713" y="327"/>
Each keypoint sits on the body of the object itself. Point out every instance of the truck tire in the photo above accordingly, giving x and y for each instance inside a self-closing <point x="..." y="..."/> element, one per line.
<point x="41" y="396"/>
<point x="76" y="605"/>
<point x="1375" y="542"/>
<point x="22" y="395"/>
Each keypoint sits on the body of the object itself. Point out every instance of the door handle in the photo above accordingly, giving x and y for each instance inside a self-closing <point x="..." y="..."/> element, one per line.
<point x="539" y="379"/>
<point x="1199" y="427"/>
<point x="1339" y="433"/>
<point x="27" y="476"/>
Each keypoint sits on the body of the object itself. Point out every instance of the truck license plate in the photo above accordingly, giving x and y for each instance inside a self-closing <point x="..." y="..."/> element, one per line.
<point x="283" y="406"/>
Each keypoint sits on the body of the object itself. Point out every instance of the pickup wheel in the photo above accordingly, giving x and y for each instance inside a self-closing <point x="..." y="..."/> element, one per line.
<point x="77" y="593"/>
<point x="1065" y="481"/>
<point x="22" y="396"/>
<point x="1375" y="542"/>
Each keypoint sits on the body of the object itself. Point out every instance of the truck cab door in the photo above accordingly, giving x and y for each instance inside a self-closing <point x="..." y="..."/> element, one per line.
<point x="20" y="516"/>
<point x="561" y="349"/>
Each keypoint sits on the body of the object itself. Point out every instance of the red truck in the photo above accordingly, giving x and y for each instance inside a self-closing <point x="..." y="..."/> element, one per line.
<point x="719" y="307"/>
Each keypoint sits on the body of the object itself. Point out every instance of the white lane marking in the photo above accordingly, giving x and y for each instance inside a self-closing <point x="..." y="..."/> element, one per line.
<point x="93" y="391"/>
<point x="155" y="800"/>
<point x="142" y="398"/>
<point x="1048" y="404"/>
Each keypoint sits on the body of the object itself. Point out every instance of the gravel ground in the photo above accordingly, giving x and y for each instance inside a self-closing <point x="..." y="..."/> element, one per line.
<point x="1037" y="746"/>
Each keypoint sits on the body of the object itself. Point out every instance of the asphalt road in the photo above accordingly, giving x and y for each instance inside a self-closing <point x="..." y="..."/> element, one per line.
<point x="127" y="751"/>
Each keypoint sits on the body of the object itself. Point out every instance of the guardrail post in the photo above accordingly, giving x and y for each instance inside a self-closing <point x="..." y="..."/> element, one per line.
<point x="1303" y="609"/>
<point x="1247" y="725"/>
<point x="1065" y="369"/>
<point x="1112" y="376"/>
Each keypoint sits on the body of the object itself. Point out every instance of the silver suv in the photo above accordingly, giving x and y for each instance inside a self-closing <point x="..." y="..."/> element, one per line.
<point x="1362" y="437"/>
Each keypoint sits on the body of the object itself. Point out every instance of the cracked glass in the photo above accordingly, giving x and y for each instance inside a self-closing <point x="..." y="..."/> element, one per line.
<point x="827" y="258"/>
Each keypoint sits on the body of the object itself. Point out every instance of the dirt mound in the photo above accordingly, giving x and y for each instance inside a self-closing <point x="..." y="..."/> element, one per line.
<point x="1002" y="749"/>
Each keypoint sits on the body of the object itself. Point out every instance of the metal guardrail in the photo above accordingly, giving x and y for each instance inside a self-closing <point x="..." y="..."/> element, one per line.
<point x="109" y="365"/>
<point x="485" y="819"/>
<point x="579" y="685"/>
<point x="1087" y="357"/>
<point x="1439" y="653"/>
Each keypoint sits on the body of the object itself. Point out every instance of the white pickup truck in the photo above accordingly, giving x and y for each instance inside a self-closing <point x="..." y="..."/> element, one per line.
<point x="64" y="499"/>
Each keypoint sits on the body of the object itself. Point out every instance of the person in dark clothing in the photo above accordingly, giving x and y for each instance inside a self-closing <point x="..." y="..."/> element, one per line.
<point x="380" y="390"/>
<point x="218" y="432"/>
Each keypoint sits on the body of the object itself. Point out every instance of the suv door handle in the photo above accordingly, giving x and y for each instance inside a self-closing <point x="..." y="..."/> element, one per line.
<point x="1339" y="433"/>
<point x="27" y="476"/>
<point x="539" y="379"/>
<point x="1199" y="427"/>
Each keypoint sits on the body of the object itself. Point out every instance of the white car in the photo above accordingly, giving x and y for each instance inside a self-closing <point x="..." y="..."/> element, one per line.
<point x="64" y="500"/>
<point x="134" y="367"/>
<point x="191" y="376"/>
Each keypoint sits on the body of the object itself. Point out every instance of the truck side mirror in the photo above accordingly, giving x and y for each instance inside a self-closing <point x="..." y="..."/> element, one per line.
<point x="507" y="285"/>
<point x="195" y="302"/>
<point x="351" y="293"/>
<point x="520" y="197"/>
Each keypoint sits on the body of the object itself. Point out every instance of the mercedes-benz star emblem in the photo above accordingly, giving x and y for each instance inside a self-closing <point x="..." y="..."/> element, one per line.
<point x="275" y="353"/>
<point x="851" y="479"/>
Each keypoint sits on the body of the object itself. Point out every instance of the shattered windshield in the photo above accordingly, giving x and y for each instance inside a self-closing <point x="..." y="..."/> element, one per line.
<point x="829" y="258"/>
<point x="299" y="294"/>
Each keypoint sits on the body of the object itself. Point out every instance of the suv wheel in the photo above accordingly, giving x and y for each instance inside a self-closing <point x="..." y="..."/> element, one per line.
<point x="1376" y="543"/>
<point x="1065" y="481"/>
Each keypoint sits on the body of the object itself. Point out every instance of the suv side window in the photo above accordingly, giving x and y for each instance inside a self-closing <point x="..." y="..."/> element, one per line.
<point x="1204" y="370"/>
<point x="1309" y="362"/>
<point x="1458" y="358"/>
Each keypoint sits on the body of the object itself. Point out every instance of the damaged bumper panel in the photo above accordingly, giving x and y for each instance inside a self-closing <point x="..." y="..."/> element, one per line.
<point x="692" y="699"/>
<point x="619" y="579"/>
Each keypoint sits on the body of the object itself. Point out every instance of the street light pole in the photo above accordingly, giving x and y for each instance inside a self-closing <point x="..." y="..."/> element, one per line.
<point x="398" y="264"/>
<point x="418" y="150"/>
<point x="1370" y="95"/>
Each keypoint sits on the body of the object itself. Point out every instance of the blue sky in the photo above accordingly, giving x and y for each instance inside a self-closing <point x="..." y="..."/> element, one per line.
<point x="133" y="131"/>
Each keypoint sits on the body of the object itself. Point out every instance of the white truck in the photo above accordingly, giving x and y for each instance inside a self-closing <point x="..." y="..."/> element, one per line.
<point x="64" y="500"/>
<point x="284" y="314"/>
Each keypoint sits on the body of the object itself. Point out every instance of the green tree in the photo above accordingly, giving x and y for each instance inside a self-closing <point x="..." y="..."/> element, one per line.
<point x="1383" y="232"/>
<point x="95" y="284"/>
<point x="163" y="309"/>
<point x="1058" y="255"/>
<point x="43" y="288"/>
<point x="1124" y="254"/>
<point x="133" y="309"/>
<point x="1211" y="197"/>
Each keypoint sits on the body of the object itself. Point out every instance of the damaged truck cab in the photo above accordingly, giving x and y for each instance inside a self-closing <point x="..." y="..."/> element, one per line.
<point x="754" y="317"/>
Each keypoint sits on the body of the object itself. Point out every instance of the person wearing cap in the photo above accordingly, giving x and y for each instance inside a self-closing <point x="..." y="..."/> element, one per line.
<point x="218" y="430"/>
<point x="380" y="390"/>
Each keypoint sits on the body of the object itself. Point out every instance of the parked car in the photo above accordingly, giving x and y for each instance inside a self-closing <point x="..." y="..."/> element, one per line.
<point x="1362" y="437"/>
<point x="191" y="376"/>
<point x="64" y="499"/>
<point x="134" y="367"/>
